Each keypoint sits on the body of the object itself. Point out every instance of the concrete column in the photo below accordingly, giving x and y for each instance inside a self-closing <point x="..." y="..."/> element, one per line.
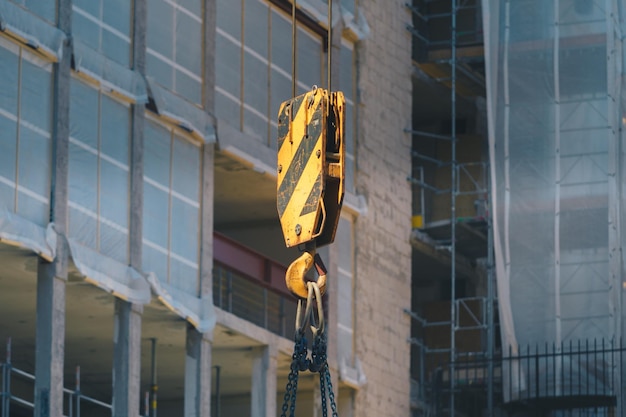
<point x="264" y="380"/>
<point x="126" y="358"/>
<point x="127" y="320"/>
<point x="50" y="339"/>
<point x="197" y="373"/>
<point x="52" y="276"/>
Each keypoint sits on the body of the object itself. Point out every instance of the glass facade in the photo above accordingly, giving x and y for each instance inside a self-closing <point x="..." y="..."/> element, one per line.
<point x="104" y="26"/>
<point x="25" y="133"/>
<point x="253" y="69"/>
<point x="99" y="182"/>
<point x="171" y="213"/>
<point x="175" y="46"/>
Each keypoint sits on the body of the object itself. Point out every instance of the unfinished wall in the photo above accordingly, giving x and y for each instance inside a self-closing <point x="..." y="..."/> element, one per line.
<point x="383" y="253"/>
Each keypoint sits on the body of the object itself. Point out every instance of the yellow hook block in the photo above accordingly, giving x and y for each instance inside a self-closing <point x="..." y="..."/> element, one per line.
<point x="295" y="278"/>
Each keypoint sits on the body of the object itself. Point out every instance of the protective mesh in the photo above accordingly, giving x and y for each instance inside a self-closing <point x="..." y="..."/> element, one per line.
<point x="554" y="71"/>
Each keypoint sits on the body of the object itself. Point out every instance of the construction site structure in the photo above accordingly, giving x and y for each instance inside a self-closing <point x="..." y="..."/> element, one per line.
<point x="533" y="123"/>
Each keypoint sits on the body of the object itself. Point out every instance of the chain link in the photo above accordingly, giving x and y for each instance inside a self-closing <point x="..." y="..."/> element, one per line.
<point x="317" y="364"/>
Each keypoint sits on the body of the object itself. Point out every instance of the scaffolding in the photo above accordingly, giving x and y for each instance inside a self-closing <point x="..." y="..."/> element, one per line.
<point x="464" y="235"/>
<point x="557" y="120"/>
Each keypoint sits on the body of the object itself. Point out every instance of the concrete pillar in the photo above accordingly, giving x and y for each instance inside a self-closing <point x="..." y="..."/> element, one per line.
<point x="127" y="319"/>
<point x="197" y="373"/>
<point x="264" y="380"/>
<point x="52" y="276"/>
<point x="126" y="359"/>
<point x="50" y="339"/>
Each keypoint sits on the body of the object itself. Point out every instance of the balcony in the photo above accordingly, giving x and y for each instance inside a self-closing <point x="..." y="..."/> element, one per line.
<point x="252" y="287"/>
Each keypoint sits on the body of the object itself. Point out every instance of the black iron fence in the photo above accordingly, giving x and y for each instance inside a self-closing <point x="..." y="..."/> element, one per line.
<point x="578" y="379"/>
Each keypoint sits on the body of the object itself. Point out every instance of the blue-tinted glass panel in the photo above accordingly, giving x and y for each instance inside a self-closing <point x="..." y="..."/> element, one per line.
<point x="185" y="230"/>
<point x="160" y="70"/>
<point x="116" y="48"/>
<point x="280" y="91"/>
<point x="45" y="9"/>
<point x="117" y="14"/>
<point x="309" y="59"/>
<point x="84" y="113"/>
<point x="114" y="131"/>
<point x="255" y="83"/>
<point x="184" y="277"/>
<point x="155" y="215"/>
<point x="154" y="261"/>
<point x="229" y="17"/>
<point x="281" y="41"/>
<point x="83" y="227"/>
<point x="255" y="125"/>
<point x="90" y="6"/>
<point x="8" y="148"/>
<point x="189" y="43"/>
<point x="160" y="28"/>
<point x="346" y="71"/>
<point x="192" y="6"/>
<point x="157" y="154"/>
<point x="35" y="152"/>
<point x="228" y="66"/>
<point x="114" y="189"/>
<point x="7" y="197"/>
<point x="186" y="169"/>
<point x="349" y="129"/>
<point x="188" y="87"/>
<point x="113" y="243"/>
<point x="33" y="209"/>
<point x="9" y="64"/>
<point x="36" y="95"/>
<point x="227" y="109"/>
<point x="85" y="30"/>
<point x="83" y="177"/>
<point x="256" y="26"/>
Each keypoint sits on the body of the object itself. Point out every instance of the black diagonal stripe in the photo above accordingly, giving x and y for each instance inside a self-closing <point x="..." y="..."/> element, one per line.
<point x="312" y="202"/>
<point x="299" y="160"/>
<point x="283" y="118"/>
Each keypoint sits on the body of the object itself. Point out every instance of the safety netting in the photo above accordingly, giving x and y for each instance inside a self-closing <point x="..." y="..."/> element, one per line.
<point x="554" y="73"/>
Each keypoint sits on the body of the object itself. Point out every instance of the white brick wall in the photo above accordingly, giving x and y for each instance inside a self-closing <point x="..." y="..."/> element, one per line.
<point x="383" y="270"/>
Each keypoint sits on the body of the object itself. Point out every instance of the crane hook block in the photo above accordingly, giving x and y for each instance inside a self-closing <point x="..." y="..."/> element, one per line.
<point x="311" y="167"/>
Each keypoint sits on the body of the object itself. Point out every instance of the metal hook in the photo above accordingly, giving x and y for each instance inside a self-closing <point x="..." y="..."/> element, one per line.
<point x="295" y="278"/>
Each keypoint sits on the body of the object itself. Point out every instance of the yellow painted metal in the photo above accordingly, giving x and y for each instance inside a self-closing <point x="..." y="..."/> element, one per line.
<point x="417" y="221"/>
<point x="310" y="166"/>
<point x="295" y="276"/>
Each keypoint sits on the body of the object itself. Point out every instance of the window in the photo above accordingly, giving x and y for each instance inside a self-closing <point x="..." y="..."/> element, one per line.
<point x="253" y="65"/>
<point x="172" y="179"/>
<point x="348" y="86"/>
<point x="175" y="46"/>
<point x="25" y="133"/>
<point x="44" y="9"/>
<point x="99" y="173"/>
<point x="345" y="314"/>
<point x="105" y="26"/>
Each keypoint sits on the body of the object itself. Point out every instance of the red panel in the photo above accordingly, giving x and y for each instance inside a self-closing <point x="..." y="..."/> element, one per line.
<point x="249" y="263"/>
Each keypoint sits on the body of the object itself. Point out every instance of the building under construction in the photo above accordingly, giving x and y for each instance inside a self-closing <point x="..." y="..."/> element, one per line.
<point x="477" y="268"/>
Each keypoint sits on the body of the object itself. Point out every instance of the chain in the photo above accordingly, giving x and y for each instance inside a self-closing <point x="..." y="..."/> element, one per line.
<point x="318" y="362"/>
<point x="331" y="395"/>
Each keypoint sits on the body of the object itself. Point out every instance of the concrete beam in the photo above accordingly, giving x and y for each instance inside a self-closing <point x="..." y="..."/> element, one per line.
<point x="264" y="380"/>
<point x="126" y="358"/>
<point x="198" y="373"/>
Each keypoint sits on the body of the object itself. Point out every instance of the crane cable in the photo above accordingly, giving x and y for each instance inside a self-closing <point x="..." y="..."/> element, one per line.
<point x="317" y="363"/>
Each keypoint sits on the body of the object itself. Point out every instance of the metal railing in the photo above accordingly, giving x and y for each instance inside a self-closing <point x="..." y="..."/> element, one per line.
<point x="583" y="378"/>
<point x="245" y="297"/>
<point x="74" y="399"/>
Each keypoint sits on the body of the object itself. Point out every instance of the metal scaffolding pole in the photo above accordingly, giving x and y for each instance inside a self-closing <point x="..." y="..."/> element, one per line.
<point x="454" y="190"/>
